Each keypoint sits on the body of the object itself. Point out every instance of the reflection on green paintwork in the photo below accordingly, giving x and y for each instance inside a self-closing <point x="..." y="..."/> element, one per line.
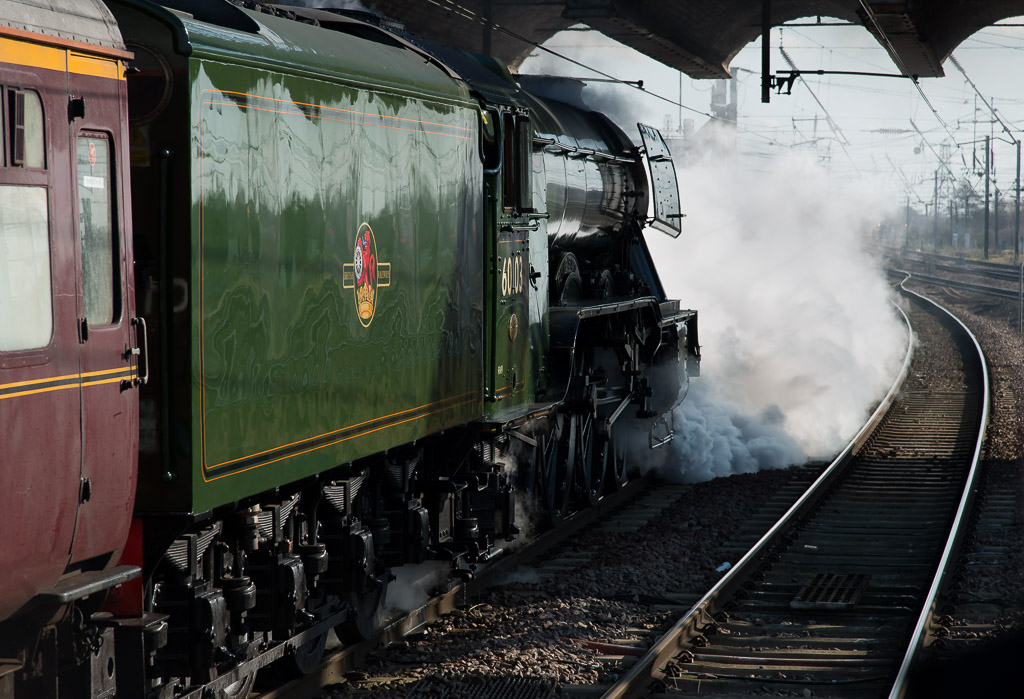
<point x="286" y="169"/>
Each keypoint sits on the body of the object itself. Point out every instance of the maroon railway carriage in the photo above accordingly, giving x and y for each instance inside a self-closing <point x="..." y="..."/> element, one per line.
<point x="69" y="366"/>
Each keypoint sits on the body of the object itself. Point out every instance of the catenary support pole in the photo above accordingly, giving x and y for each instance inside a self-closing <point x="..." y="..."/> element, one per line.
<point x="766" y="67"/>
<point x="995" y="218"/>
<point x="1016" y="216"/>
<point x="987" y="141"/>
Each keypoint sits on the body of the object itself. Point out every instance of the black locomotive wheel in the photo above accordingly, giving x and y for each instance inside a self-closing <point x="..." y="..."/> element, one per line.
<point x="588" y="456"/>
<point x="238" y="690"/>
<point x="307" y="657"/>
<point x="557" y="469"/>
<point x="367" y="610"/>
<point x="616" y="463"/>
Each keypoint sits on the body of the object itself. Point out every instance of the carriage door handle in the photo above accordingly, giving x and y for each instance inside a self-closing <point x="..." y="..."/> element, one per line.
<point x="141" y="353"/>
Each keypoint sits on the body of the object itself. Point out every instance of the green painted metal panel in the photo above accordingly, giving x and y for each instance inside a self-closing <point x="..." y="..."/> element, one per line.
<point x="298" y="363"/>
<point x="510" y="330"/>
<point x="297" y="48"/>
<point x="513" y="326"/>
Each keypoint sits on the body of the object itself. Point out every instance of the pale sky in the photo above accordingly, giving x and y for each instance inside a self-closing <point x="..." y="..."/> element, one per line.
<point x="873" y="114"/>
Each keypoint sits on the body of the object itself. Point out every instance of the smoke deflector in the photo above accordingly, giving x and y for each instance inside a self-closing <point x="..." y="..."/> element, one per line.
<point x="668" y="217"/>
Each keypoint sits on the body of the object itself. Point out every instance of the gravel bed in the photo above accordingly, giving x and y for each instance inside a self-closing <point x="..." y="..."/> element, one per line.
<point x="534" y="629"/>
<point x="994" y="323"/>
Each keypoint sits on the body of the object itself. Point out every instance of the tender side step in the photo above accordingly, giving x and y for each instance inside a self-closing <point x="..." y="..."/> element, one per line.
<point x="82" y="585"/>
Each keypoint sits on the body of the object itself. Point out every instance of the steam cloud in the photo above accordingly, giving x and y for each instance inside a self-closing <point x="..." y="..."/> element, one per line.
<point x="798" y="337"/>
<point x="414" y="585"/>
<point x="799" y="340"/>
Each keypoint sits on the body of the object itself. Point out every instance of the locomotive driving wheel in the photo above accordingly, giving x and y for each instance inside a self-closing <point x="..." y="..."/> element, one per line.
<point x="557" y="468"/>
<point x="588" y="456"/>
<point x="616" y="461"/>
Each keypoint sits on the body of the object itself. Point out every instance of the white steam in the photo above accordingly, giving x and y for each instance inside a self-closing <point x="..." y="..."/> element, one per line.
<point x="798" y="337"/>
<point x="414" y="584"/>
<point x="717" y="438"/>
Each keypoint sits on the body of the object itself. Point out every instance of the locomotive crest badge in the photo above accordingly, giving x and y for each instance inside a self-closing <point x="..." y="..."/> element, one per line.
<point x="366" y="274"/>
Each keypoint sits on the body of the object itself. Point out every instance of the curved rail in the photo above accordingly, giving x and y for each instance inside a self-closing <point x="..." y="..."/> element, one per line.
<point x="676" y="637"/>
<point x="964" y="286"/>
<point x="690" y="627"/>
<point x="922" y="629"/>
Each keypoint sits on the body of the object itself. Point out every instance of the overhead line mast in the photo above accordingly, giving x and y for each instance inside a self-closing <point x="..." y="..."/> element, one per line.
<point x="1016" y="143"/>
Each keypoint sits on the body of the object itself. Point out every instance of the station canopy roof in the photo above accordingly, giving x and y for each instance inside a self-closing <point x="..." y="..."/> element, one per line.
<point x="698" y="37"/>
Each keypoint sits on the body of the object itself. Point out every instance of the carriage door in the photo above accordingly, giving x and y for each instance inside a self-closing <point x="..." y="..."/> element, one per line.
<point x="106" y="337"/>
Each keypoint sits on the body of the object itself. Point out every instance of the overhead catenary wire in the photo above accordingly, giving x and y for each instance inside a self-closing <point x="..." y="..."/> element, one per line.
<point x="906" y="181"/>
<point x="991" y="108"/>
<point x="840" y="136"/>
<point x="902" y="65"/>
<point x="932" y="149"/>
<point x="767" y="138"/>
<point x="469" y="14"/>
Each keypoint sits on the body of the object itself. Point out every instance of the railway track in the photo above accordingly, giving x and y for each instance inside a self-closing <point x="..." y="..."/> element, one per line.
<point x="950" y="272"/>
<point x="961" y="265"/>
<point x="837" y="598"/>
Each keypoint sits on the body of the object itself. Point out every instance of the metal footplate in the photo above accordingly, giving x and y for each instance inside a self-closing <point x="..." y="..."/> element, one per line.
<point x="82" y="585"/>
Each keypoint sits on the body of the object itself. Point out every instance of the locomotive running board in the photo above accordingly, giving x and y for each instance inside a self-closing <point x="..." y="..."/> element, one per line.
<point x="565" y="320"/>
<point x="514" y="418"/>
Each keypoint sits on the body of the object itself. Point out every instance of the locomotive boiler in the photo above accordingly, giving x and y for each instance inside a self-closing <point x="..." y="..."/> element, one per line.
<point x="329" y="300"/>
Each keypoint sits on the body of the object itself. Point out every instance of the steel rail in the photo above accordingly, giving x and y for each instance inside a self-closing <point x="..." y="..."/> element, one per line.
<point x="648" y="667"/>
<point x="962" y="264"/>
<point x="966" y="286"/>
<point x="922" y="630"/>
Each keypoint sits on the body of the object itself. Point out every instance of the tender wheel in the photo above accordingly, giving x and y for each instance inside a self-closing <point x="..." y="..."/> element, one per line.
<point x="239" y="689"/>
<point x="367" y="612"/>
<point x="307" y="657"/>
<point x="558" y="467"/>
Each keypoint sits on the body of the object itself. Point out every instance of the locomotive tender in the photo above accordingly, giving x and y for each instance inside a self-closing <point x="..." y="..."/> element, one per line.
<point x="288" y="300"/>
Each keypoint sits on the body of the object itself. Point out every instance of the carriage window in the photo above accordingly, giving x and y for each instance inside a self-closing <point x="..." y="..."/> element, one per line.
<point x="25" y="116"/>
<point x="26" y="318"/>
<point x="97" y="231"/>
